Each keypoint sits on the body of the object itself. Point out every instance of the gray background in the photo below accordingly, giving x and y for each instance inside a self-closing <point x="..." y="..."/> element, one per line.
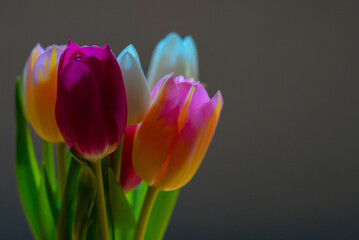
<point x="284" y="161"/>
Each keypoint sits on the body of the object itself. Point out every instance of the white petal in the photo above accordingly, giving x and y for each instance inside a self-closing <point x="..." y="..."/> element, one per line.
<point x="172" y="54"/>
<point x="137" y="90"/>
<point x="191" y="58"/>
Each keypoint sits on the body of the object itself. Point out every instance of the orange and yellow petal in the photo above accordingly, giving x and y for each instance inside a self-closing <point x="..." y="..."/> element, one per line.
<point x="191" y="145"/>
<point x="41" y="87"/>
<point x="185" y="142"/>
<point x="157" y="132"/>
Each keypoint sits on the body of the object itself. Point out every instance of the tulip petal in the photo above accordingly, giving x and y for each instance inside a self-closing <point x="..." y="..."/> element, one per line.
<point x="137" y="90"/>
<point x="199" y="97"/>
<point x="181" y="121"/>
<point x="41" y="94"/>
<point x="91" y="108"/>
<point x="128" y="177"/>
<point x="27" y="76"/>
<point x="159" y="84"/>
<point x="45" y="67"/>
<point x="95" y="51"/>
<point x="191" y="58"/>
<point x="82" y="104"/>
<point x="157" y="132"/>
<point x="114" y="95"/>
<point x="66" y="55"/>
<point x="130" y="49"/>
<point x="191" y="145"/>
<point x="167" y="57"/>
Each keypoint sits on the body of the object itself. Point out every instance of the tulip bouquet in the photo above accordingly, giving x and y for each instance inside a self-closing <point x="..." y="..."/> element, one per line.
<point x="124" y="144"/>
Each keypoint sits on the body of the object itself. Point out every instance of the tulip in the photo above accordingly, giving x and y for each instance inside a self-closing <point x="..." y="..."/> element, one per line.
<point x="173" y="138"/>
<point x="129" y="180"/>
<point x="173" y="55"/>
<point x="137" y="90"/>
<point x="91" y="108"/>
<point x="40" y="84"/>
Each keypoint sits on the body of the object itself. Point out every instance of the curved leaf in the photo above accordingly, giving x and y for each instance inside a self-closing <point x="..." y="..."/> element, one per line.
<point x="65" y="220"/>
<point x="47" y="208"/>
<point x="124" y="222"/>
<point x="27" y="169"/>
<point x="85" y="197"/>
<point x="48" y="158"/>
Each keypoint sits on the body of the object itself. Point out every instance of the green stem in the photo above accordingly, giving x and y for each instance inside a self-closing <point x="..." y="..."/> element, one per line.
<point x="116" y="161"/>
<point x="61" y="166"/>
<point x="101" y="203"/>
<point x="48" y="158"/>
<point x="151" y="196"/>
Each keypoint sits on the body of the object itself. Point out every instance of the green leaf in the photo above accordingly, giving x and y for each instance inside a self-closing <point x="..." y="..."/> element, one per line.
<point x="47" y="206"/>
<point x="131" y="197"/>
<point x="27" y="169"/>
<point x="161" y="214"/>
<point x="124" y="221"/>
<point x="48" y="158"/>
<point x="105" y="165"/>
<point x="85" y="197"/>
<point x="65" y="220"/>
<point x="93" y="232"/>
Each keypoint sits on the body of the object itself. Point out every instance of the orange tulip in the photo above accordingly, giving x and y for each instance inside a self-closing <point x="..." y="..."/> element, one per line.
<point x="173" y="138"/>
<point x="40" y="85"/>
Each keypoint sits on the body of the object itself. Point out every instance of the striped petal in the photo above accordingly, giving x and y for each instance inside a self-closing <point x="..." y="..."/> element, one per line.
<point x="41" y="94"/>
<point x="157" y="132"/>
<point x="191" y="145"/>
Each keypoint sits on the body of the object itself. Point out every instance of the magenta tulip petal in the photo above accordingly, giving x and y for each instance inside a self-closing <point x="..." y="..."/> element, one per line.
<point x="159" y="84"/>
<point x="91" y="108"/>
<point x="199" y="97"/>
<point x="65" y="57"/>
<point x="83" y="104"/>
<point x="113" y="92"/>
<point x="91" y="51"/>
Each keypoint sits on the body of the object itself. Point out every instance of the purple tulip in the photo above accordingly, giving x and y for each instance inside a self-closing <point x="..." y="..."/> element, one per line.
<point x="91" y="107"/>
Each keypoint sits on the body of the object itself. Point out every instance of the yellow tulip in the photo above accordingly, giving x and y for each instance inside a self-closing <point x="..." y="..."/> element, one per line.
<point x="40" y="87"/>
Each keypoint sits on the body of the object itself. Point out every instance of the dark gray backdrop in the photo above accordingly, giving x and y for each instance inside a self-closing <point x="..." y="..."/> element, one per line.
<point x="284" y="161"/>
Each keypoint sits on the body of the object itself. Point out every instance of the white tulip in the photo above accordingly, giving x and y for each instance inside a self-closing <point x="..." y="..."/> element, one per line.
<point x="173" y="55"/>
<point x="137" y="90"/>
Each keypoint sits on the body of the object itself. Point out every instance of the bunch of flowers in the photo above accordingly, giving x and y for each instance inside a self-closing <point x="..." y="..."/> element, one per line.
<point x="125" y="144"/>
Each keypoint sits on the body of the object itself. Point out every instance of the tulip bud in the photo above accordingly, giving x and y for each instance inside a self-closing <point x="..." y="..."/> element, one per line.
<point x="137" y="91"/>
<point x="91" y="108"/>
<point x="173" y="138"/>
<point x="172" y="54"/>
<point x="40" y="84"/>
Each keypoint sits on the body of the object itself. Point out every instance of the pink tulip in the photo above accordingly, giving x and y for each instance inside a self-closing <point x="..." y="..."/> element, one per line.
<point x="173" y="138"/>
<point x="91" y="107"/>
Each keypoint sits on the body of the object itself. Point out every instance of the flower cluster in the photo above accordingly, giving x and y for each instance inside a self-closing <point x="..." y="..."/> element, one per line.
<point x="128" y="133"/>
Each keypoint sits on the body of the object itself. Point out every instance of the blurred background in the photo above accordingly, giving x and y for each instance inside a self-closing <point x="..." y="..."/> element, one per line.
<point x="284" y="161"/>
